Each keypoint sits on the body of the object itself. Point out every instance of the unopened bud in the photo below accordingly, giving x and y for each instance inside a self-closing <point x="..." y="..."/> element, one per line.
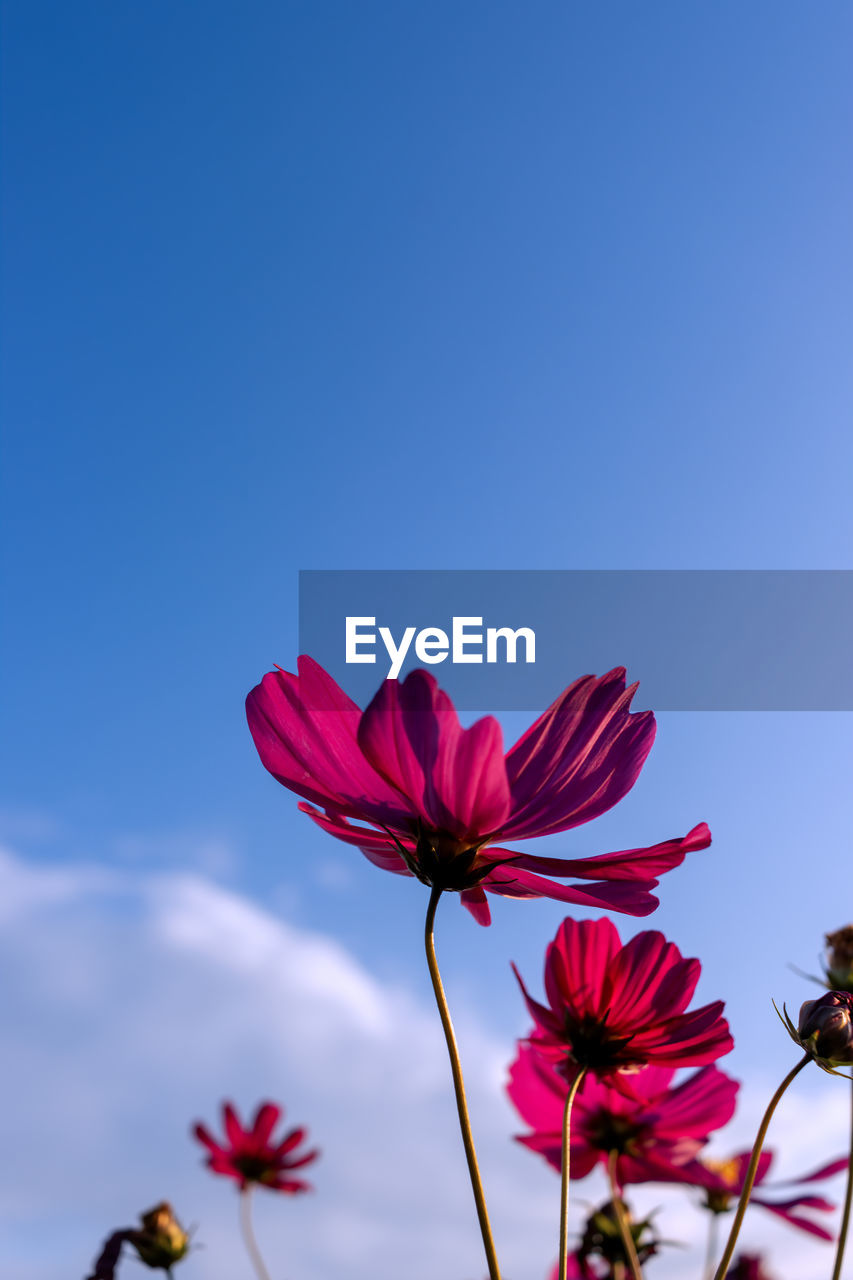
<point x="162" y="1241"/>
<point x="602" y="1235"/>
<point x="839" y="959"/>
<point x="825" y="1028"/>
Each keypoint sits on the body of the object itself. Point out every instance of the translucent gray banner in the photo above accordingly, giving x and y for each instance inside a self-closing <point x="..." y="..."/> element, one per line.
<point x="698" y="640"/>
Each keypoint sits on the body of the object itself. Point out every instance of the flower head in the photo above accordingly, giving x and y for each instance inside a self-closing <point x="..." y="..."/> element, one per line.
<point x="825" y="1029"/>
<point x="839" y="959"/>
<point x="654" y="1131"/>
<point x="722" y="1181"/>
<point x="249" y="1155"/>
<point x="440" y="799"/>
<point x="612" y="1008"/>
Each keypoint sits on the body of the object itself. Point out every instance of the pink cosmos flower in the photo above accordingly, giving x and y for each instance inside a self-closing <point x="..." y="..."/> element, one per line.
<point x="250" y="1156"/>
<point x="653" y="1132"/>
<point x="614" y="1008"/>
<point x="440" y="799"/>
<point x="723" y="1180"/>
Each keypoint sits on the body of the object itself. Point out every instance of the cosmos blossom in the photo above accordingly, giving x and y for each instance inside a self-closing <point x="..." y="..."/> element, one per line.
<point x="440" y="800"/>
<point x="614" y="1008"/>
<point x="249" y="1155"/>
<point x="723" y="1180"/>
<point x="653" y="1132"/>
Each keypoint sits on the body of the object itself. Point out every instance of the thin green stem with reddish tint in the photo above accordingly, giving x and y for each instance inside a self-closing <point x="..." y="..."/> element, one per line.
<point x="622" y="1218"/>
<point x="746" y="1192"/>
<point x="249" y="1235"/>
<point x="565" y="1171"/>
<point x="459" y="1086"/>
<point x="845" y="1217"/>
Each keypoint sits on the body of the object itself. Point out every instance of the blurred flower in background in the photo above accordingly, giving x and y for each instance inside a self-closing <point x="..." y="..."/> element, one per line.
<point x="249" y="1155"/>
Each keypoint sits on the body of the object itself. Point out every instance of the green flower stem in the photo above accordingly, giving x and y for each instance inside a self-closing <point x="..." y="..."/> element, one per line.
<point x="621" y="1218"/>
<point x="848" y="1201"/>
<point x="565" y="1166"/>
<point x="249" y="1235"/>
<point x="459" y="1086"/>
<point x="753" y="1168"/>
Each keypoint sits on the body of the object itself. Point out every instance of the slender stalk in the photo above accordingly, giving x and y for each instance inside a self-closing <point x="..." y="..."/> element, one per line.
<point x="249" y="1235"/>
<point x="621" y="1218"/>
<point x="565" y="1167"/>
<point x="845" y="1217"/>
<point x="459" y="1086"/>
<point x="711" y="1252"/>
<point x="753" y="1168"/>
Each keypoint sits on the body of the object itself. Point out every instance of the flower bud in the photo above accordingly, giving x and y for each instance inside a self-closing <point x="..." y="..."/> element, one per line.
<point x="602" y="1237"/>
<point x="825" y="1029"/>
<point x="162" y="1241"/>
<point x="839" y="959"/>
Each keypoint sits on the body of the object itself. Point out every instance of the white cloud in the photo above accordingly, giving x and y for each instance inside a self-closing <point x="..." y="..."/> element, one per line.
<point x="139" y="1001"/>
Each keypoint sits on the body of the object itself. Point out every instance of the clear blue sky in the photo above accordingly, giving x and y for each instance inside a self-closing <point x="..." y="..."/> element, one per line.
<point x="379" y="285"/>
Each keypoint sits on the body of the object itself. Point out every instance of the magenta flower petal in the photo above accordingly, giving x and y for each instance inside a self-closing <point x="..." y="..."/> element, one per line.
<point x="305" y="729"/>
<point x="579" y="758"/>
<point x="454" y="778"/>
<point x="788" y="1211"/>
<point x="234" y="1131"/>
<point x="633" y="899"/>
<point x="819" y="1175"/>
<point x="266" y="1119"/>
<point x="478" y="904"/>
<point x="627" y="864"/>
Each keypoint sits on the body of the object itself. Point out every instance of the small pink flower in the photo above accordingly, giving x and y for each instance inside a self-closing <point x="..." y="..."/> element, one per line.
<point x="614" y="1008"/>
<point x="249" y="1155"/>
<point x="653" y="1132"/>
<point x="440" y="799"/>
<point x="723" y="1180"/>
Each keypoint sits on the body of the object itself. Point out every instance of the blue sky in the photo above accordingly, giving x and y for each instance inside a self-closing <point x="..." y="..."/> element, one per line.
<point x="292" y="286"/>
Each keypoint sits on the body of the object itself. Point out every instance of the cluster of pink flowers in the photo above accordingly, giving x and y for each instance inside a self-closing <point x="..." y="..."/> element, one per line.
<point x="597" y="1080"/>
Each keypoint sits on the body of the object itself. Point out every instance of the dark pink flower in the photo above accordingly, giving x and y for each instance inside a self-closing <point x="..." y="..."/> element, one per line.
<point x="439" y="798"/>
<point x="722" y="1181"/>
<point x="614" y="1008"/>
<point x="249" y="1155"/>
<point x="653" y="1132"/>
